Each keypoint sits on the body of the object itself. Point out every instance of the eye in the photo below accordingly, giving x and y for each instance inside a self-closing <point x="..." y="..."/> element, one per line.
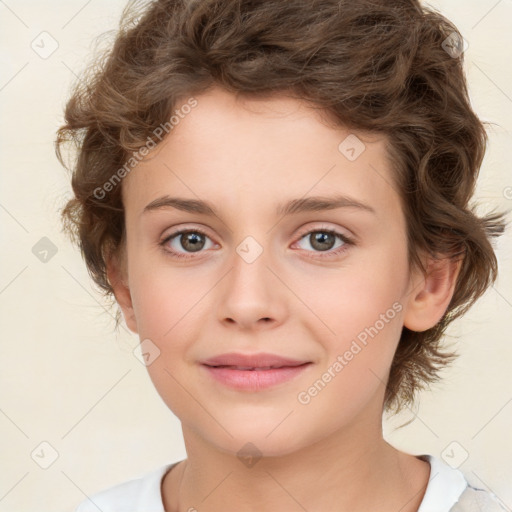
<point x="191" y="240"/>
<point x="186" y="242"/>
<point x="324" y="240"/>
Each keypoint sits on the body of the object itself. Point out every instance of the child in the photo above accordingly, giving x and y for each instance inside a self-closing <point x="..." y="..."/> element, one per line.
<point x="319" y="158"/>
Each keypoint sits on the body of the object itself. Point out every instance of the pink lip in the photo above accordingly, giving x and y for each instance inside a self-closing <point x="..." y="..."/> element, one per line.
<point x="224" y="369"/>
<point x="253" y="360"/>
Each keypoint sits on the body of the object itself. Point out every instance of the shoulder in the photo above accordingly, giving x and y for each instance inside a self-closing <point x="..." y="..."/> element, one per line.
<point x="122" y="496"/>
<point x="476" y="500"/>
<point x="450" y="490"/>
<point x="141" y="494"/>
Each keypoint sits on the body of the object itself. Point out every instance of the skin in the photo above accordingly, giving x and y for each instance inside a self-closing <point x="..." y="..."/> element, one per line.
<point x="245" y="157"/>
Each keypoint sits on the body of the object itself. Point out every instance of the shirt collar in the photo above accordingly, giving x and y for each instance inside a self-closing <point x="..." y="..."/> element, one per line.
<point x="150" y="497"/>
<point x="444" y="488"/>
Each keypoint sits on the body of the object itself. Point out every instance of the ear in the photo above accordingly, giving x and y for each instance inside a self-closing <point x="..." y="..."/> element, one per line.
<point x="118" y="279"/>
<point x="431" y="294"/>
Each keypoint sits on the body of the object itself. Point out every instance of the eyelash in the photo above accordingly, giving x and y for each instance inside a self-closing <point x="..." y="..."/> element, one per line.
<point x="346" y="242"/>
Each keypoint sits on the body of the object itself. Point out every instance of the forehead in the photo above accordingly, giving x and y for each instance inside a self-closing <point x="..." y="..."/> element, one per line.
<point x="243" y="152"/>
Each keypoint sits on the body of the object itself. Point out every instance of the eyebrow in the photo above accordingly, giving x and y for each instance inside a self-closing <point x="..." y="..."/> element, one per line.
<point x="294" y="206"/>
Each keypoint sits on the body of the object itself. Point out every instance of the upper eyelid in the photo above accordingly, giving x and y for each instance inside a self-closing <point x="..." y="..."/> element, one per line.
<point x="181" y="230"/>
<point x="324" y="227"/>
<point x="299" y="236"/>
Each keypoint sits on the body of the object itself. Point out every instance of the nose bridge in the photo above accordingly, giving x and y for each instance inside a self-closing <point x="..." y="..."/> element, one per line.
<point x="250" y="249"/>
<point x="250" y="275"/>
<point x="250" y="293"/>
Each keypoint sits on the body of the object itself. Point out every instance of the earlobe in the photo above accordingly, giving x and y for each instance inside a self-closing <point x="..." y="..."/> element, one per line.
<point x="117" y="278"/>
<point x="429" y="299"/>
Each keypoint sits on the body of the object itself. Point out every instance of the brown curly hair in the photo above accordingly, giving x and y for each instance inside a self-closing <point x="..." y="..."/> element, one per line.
<point x="389" y="67"/>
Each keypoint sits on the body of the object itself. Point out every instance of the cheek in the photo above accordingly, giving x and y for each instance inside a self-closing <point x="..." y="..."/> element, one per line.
<point x="366" y="318"/>
<point x="166" y="307"/>
<point x="366" y="329"/>
<point x="164" y="298"/>
<point x="171" y="306"/>
<point x="346" y="301"/>
<point x="358" y="318"/>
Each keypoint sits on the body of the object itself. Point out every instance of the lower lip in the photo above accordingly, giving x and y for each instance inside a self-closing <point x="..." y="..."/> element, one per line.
<point x="254" y="380"/>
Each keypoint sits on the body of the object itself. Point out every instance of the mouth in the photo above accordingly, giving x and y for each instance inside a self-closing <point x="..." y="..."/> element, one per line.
<point x="252" y="368"/>
<point x="262" y="361"/>
<point x="253" y="373"/>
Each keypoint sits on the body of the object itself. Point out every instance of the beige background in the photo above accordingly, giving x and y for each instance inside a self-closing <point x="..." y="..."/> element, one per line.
<point x="69" y="380"/>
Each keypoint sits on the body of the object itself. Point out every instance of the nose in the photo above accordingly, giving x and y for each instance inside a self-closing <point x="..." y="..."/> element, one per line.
<point x="252" y="296"/>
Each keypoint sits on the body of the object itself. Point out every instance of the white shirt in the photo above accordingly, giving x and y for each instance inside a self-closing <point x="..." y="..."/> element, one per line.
<point x="447" y="491"/>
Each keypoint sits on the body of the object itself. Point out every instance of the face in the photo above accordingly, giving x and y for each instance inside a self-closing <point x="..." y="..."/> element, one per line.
<point x="263" y="273"/>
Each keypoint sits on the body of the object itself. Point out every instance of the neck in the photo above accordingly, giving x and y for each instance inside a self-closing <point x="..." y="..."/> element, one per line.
<point x="346" y="473"/>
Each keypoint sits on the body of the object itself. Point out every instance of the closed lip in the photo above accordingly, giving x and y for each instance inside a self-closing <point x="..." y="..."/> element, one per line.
<point x="262" y="360"/>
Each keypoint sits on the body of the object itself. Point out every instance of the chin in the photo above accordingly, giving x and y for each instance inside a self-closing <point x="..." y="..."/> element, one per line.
<point x="253" y="441"/>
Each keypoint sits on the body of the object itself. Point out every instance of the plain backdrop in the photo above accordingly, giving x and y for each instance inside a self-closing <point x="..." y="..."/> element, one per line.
<point x="78" y="412"/>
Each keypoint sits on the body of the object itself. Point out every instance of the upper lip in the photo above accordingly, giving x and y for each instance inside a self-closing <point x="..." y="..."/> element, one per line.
<point x="252" y="360"/>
